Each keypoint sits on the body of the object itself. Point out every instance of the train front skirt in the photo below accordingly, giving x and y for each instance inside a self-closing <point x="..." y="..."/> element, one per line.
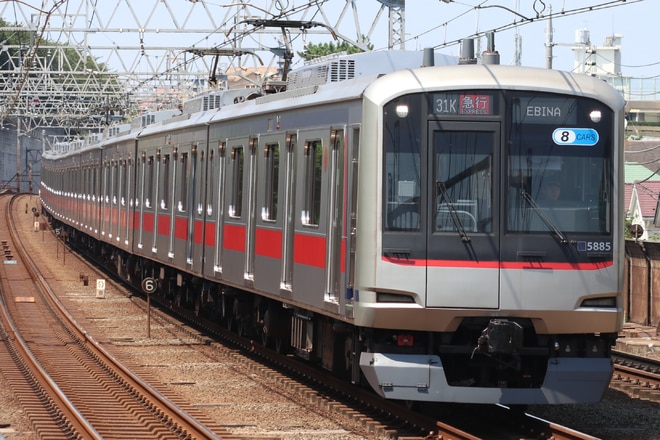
<point x="422" y="378"/>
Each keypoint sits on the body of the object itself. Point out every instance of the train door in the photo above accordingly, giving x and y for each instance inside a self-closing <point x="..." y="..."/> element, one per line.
<point x="215" y="204"/>
<point x="336" y="211"/>
<point x="270" y="212"/>
<point x="140" y="200"/>
<point x="462" y="210"/>
<point x="286" y="276"/>
<point x="126" y="197"/>
<point x="106" y="218"/>
<point x="197" y="215"/>
<point x="251" y="210"/>
<point x="149" y="188"/>
<point x="310" y="240"/>
<point x="234" y="235"/>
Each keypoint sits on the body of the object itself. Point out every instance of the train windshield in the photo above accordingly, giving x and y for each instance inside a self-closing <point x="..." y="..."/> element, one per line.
<point x="558" y="165"/>
<point x="468" y="163"/>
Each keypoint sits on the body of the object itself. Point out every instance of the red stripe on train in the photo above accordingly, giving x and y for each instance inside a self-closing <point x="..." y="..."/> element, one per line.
<point x="234" y="237"/>
<point x="209" y="237"/>
<point x="180" y="228"/>
<point x="500" y="265"/>
<point x="268" y="243"/>
<point x="309" y="250"/>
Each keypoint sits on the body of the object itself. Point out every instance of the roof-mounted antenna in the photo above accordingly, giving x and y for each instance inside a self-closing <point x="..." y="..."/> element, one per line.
<point x="429" y="57"/>
<point x="490" y="55"/>
<point x="467" y="52"/>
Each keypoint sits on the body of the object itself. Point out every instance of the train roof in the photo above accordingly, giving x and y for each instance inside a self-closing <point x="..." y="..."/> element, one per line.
<point x="490" y="76"/>
<point x="333" y="79"/>
<point x="333" y="69"/>
<point x="177" y="122"/>
<point x="348" y="77"/>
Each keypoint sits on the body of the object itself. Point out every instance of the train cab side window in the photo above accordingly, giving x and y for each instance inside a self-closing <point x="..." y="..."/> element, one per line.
<point x="313" y="163"/>
<point x="236" y="196"/>
<point x="272" y="157"/>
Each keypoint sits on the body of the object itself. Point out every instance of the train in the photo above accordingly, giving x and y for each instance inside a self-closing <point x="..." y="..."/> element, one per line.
<point x="380" y="216"/>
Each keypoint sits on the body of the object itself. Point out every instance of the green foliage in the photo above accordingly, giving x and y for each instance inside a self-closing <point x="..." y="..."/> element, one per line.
<point x="313" y="51"/>
<point x="626" y="228"/>
<point x="18" y="42"/>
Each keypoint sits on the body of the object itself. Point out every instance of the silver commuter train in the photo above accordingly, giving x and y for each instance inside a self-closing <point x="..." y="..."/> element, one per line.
<point x="384" y="220"/>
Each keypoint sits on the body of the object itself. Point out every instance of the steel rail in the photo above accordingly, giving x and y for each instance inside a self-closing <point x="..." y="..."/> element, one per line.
<point x="185" y="421"/>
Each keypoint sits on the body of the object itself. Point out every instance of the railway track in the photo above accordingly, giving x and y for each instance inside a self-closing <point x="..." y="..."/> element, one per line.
<point x="383" y="418"/>
<point x="71" y="385"/>
<point x="636" y="375"/>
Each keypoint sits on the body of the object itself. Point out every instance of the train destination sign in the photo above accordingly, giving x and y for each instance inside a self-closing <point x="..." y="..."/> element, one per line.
<point x="544" y="110"/>
<point x="463" y="104"/>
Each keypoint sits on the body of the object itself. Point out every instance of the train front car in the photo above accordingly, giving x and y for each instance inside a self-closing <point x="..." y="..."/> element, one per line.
<point x="476" y="283"/>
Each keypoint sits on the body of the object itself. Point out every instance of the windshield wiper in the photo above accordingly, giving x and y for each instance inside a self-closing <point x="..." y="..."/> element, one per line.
<point x="442" y="189"/>
<point x="555" y="230"/>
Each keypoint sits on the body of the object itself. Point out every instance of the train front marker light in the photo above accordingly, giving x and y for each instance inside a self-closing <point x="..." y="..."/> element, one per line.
<point x="402" y="110"/>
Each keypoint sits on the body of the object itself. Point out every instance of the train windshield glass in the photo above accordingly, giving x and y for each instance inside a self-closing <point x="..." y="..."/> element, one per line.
<point x="559" y="165"/>
<point x="462" y="176"/>
<point x="403" y="165"/>
<point x="553" y="153"/>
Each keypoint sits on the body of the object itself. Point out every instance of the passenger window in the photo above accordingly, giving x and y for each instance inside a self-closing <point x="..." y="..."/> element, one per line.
<point x="313" y="163"/>
<point x="183" y="187"/>
<point x="150" y="182"/>
<point x="272" y="157"/>
<point x="236" y="196"/>
<point x="164" y="201"/>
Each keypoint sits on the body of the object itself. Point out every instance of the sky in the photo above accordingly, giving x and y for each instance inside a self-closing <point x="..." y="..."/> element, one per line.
<point x="636" y="21"/>
<point x="428" y="23"/>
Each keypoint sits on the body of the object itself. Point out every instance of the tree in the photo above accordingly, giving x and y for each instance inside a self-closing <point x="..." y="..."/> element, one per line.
<point x="313" y="51"/>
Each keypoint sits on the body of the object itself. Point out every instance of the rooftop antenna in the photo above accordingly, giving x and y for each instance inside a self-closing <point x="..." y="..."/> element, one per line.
<point x="490" y="55"/>
<point x="467" y="52"/>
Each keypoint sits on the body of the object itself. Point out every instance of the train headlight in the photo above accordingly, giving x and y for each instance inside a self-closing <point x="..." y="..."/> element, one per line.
<point x="595" y="116"/>
<point x="402" y="110"/>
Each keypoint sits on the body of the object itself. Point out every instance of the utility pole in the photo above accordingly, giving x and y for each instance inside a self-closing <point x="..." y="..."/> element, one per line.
<point x="18" y="154"/>
<point x="549" y="43"/>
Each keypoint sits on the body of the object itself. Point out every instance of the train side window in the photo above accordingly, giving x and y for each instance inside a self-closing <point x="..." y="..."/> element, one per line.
<point x="149" y="184"/>
<point x="123" y="195"/>
<point x="105" y="194"/>
<point x="272" y="156"/>
<point x="165" y="186"/>
<point x="236" y="196"/>
<point x="210" y="193"/>
<point x="115" y="183"/>
<point x="183" y="187"/>
<point x="313" y="166"/>
<point x="93" y="190"/>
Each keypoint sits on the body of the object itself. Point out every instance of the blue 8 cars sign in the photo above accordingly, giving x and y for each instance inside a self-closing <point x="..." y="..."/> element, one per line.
<point x="575" y="136"/>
